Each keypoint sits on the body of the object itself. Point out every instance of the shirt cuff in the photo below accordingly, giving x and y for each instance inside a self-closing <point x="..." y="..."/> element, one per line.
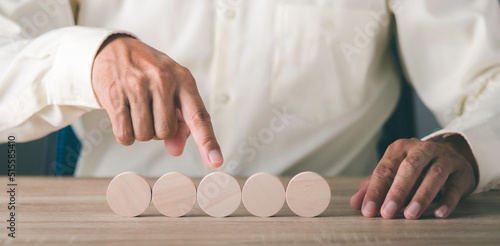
<point x="72" y="68"/>
<point x="483" y="144"/>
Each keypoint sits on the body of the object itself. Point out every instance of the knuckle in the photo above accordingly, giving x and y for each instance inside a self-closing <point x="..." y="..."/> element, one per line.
<point x="399" y="191"/>
<point x="185" y="76"/>
<point x="428" y="147"/>
<point x="200" y="117"/>
<point x="377" y="193"/>
<point x="155" y="71"/>
<point x="115" y="98"/>
<point x="384" y="171"/>
<point x="136" y="84"/>
<point x="183" y="72"/>
<point x="143" y="135"/>
<point x="165" y="78"/>
<point x="162" y="134"/>
<point x="414" y="140"/>
<point x="425" y="196"/>
<point x="163" y="82"/>
<point x="439" y="171"/>
<point x="207" y="140"/>
<point x="166" y="132"/>
<point x="397" y="145"/>
<point x="415" y="160"/>
<point x="114" y="90"/>
<point x="124" y="137"/>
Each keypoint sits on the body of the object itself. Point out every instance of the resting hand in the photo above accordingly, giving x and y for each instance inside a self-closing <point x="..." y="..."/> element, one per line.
<point x="415" y="171"/>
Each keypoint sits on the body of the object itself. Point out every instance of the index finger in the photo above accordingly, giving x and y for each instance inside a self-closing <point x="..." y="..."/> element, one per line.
<point x="199" y="123"/>
<point x="382" y="178"/>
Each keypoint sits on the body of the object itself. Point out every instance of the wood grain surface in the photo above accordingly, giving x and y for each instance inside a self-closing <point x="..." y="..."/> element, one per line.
<point x="263" y="194"/>
<point x="128" y="194"/>
<point x="219" y="194"/>
<point x="62" y="211"/>
<point x="174" y="194"/>
<point x="308" y="194"/>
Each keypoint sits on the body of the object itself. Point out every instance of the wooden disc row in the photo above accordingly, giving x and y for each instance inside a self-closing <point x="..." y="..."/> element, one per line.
<point x="218" y="194"/>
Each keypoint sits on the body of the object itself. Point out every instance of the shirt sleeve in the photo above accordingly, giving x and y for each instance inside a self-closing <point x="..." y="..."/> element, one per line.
<point x="45" y="68"/>
<point x="450" y="50"/>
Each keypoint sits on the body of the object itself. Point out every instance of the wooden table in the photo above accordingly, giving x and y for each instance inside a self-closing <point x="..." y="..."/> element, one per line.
<point x="54" y="211"/>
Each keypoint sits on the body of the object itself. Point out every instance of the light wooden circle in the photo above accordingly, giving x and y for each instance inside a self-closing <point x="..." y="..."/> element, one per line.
<point x="174" y="194"/>
<point x="219" y="194"/>
<point x="263" y="194"/>
<point x="128" y="194"/>
<point x="308" y="194"/>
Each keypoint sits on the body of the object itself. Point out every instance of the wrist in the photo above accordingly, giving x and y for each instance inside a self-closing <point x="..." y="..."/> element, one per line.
<point x="112" y="38"/>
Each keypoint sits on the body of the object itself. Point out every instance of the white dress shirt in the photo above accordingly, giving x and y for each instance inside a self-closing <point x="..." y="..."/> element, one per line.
<point x="291" y="85"/>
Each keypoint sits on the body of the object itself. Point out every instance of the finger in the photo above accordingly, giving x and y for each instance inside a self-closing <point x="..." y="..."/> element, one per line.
<point x="417" y="185"/>
<point x="122" y="127"/>
<point x="164" y="112"/>
<point x="198" y="121"/>
<point x="357" y="199"/>
<point x="453" y="190"/>
<point x="175" y="145"/>
<point x="382" y="177"/>
<point x="419" y="155"/>
<point x="432" y="183"/>
<point x="119" y="114"/>
<point x="140" y="111"/>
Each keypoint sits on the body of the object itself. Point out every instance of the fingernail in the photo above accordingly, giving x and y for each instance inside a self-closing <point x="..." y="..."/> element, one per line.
<point x="215" y="156"/>
<point x="413" y="209"/>
<point x="370" y="209"/>
<point x="390" y="209"/>
<point x="442" y="211"/>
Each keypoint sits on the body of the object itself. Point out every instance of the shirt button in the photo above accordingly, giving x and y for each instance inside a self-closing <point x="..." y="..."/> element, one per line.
<point x="327" y="25"/>
<point x="222" y="98"/>
<point x="229" y="13"/>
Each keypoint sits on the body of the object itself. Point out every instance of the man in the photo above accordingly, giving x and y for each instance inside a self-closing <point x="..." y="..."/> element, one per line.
<point x="289" y="85"/>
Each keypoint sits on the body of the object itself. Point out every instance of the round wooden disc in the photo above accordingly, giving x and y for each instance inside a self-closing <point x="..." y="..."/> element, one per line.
<point x="263" y="194"/>
<point x="174" y="194"/>
<point x="308" y="194"/>
<point x="128" y="194"/>
<point x="219" y="194"/>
